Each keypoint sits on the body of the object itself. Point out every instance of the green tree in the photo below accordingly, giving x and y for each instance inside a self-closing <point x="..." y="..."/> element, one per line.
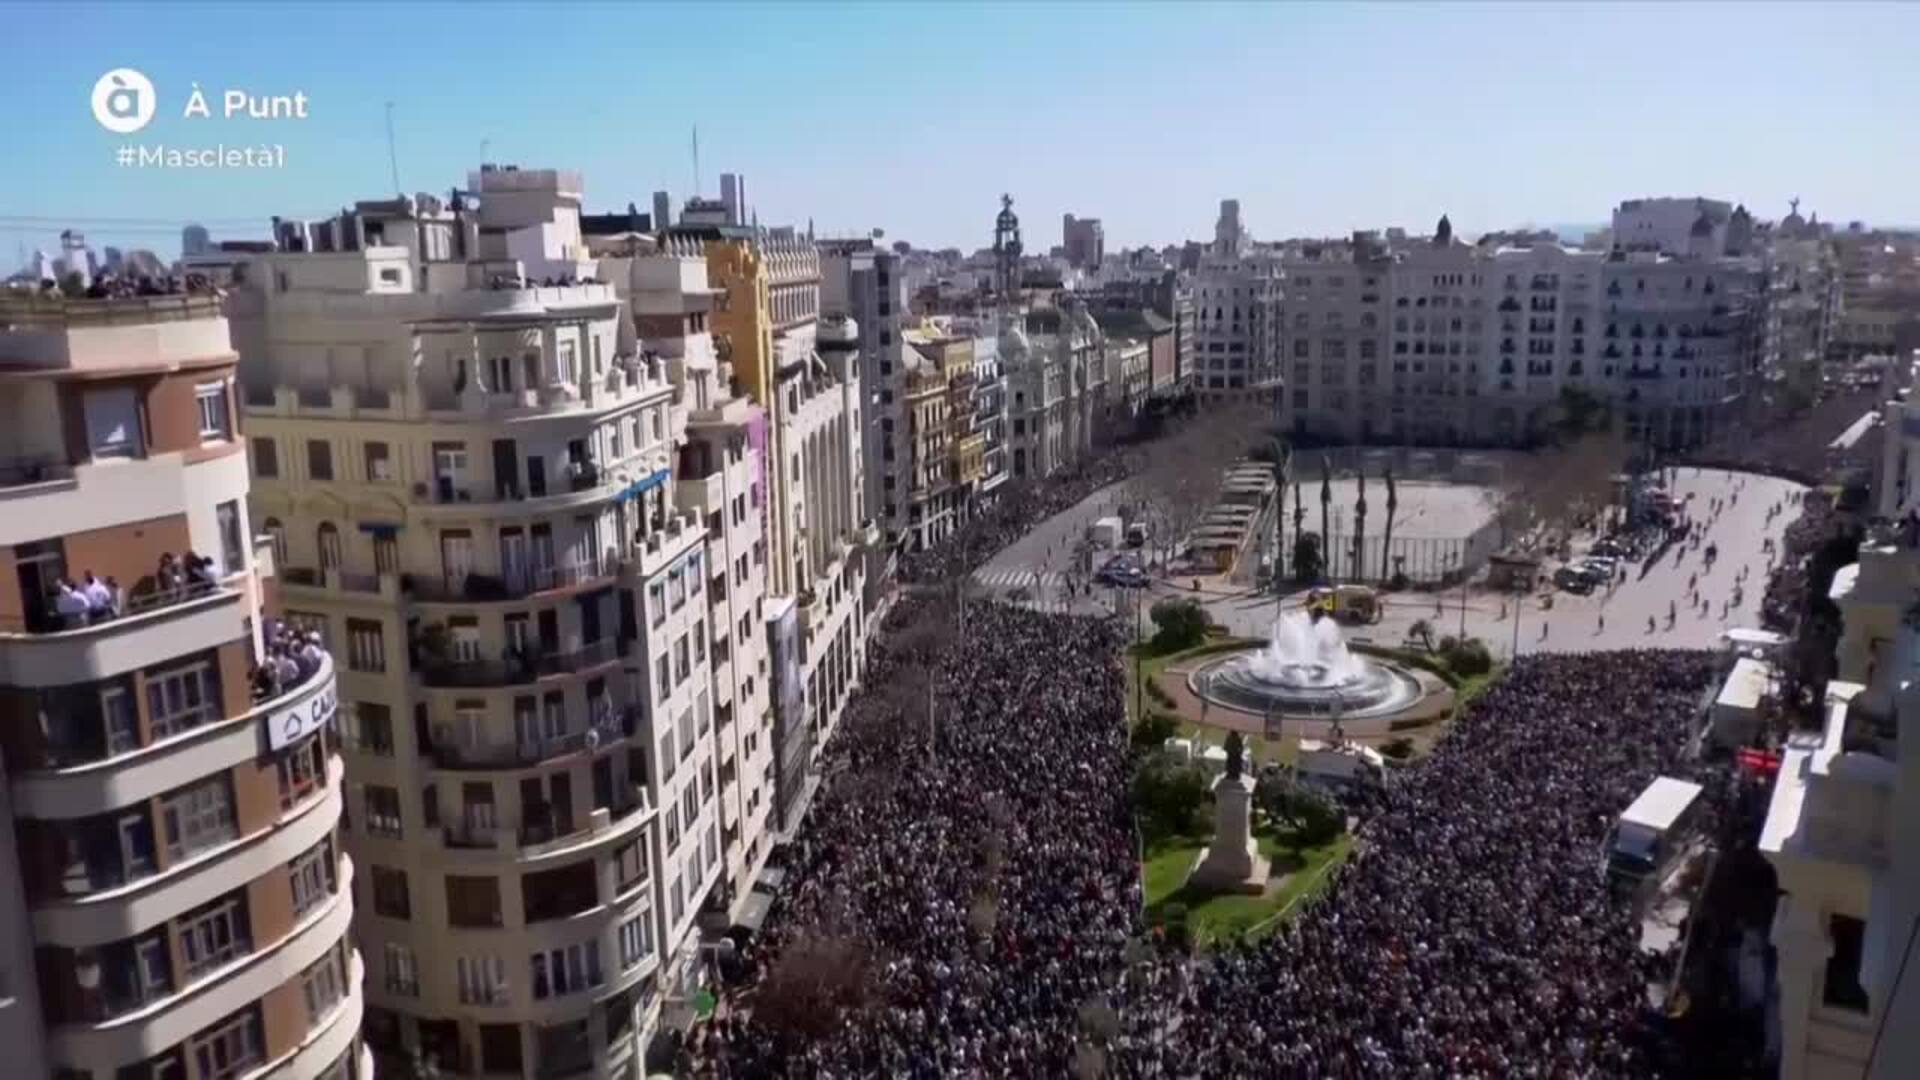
<point x="1169" y="796"/>
<point x="1180" y="624"/>
<point x="1154" y="730"/>
<point x="1306" y="557"/>
<point x="1466" y="657"/>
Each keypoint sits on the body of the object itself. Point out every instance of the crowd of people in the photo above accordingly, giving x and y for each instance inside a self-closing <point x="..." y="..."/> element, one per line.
<point x="112" y="286"/>
<point x="292" y="656"/>
<point x="90" y="600"/>
<point x="1474" y="932"/>
<point x="988" y="877"/>
<point x="1786" y="596"/>
<point x="1018" y="509"/>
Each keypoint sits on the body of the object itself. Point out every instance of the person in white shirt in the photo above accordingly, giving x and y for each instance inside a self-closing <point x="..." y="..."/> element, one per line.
<point x="71" y="605"/>
<point x="99" y="598"/>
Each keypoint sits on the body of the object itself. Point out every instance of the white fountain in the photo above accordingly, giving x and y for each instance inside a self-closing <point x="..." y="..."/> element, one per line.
<point x="1304" y="669"/>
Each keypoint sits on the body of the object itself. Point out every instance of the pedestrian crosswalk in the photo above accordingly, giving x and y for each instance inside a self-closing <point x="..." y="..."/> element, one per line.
<point x="1021" y="578"/>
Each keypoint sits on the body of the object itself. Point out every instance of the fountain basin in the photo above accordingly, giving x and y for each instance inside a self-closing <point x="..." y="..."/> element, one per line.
<point x="1306" y="669"/>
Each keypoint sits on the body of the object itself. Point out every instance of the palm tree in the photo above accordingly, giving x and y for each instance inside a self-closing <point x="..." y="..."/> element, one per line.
<point x="1326" y="500"/>
<point x="1280" y="456"/>
<point x="1386" y="546"/>
<point x="1299" y="520"/>
<point x="1359" y="564"/>
<point x="1422" y="630"/>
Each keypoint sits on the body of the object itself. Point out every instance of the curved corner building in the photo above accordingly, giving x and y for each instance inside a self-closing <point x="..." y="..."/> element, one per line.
<point x="176" y="902"/>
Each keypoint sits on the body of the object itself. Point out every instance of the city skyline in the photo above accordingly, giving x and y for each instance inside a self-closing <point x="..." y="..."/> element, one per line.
<point x="1069" y="116"/>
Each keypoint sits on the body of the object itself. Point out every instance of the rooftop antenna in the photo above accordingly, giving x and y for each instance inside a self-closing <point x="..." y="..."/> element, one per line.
<point x="393" y="158"/>
<point x="696" y="160"/>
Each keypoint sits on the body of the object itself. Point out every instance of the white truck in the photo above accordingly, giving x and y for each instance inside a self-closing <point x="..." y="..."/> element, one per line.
<point x="1107" y="532"/>
<point x="1652" y="831"/>
<point x="1340" y="765"/>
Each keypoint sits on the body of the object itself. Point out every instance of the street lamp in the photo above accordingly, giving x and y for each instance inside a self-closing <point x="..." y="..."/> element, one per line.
<point x="1460" y="567"/>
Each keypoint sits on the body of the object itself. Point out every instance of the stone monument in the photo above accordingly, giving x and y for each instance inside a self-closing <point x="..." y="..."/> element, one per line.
<point x="1232" y="863"/>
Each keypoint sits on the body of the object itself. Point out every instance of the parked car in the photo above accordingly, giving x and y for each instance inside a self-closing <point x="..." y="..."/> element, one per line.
<point x="1574" y="580"/>
<point x="1122" y="573"/>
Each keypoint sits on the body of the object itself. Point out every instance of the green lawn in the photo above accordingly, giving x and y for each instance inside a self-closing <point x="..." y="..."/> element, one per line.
<point x="1215" y="917"/>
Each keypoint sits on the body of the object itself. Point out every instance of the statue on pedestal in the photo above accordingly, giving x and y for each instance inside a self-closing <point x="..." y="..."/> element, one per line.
<point x="1232" y="863"/>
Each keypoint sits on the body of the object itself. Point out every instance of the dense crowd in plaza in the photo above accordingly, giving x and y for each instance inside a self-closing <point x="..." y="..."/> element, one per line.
<point x="1018" y="509"/>
<point x="990" y="884"/>
<point x="1786" y="596"/>
<point x="977" y="902"/>
<point x="1473" y="934"/>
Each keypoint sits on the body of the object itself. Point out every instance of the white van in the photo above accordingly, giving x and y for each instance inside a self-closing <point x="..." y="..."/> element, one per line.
<point x="1652" y="831"/>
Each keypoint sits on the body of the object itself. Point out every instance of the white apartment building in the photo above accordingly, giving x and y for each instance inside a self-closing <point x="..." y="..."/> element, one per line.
<point x="480" y="486"/>
<point x="1543" y="333"/>
<point x="1438" y="338"/>
<point x="177" y="903"/>
<point x="1678" y="344"/>
<point x="1839" y="835"/>
<point x="1335" y="315"/>
<point x="1238" y="336"/>
<point x="1690" y="227"/>
<point x="1055" y="378"/>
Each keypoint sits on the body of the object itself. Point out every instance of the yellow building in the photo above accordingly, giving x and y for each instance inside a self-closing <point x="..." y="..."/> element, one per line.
<point x="945" y="437"/>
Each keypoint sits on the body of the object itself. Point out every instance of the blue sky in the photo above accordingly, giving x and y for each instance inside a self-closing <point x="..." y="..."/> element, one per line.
<point x="914" y="117"/>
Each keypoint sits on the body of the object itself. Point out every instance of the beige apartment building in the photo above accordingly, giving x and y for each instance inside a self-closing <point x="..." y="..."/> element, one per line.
<point x="179" y="903"/>
<point x="532" y="535"/>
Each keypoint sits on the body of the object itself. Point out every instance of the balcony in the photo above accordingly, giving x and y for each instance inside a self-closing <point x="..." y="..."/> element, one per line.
<point x="52" y="650"/>
<point x="27" y="471"/>
<point x="599" y="735"/>
<point x="517" y="669"/>
<point x="513" y="585"/>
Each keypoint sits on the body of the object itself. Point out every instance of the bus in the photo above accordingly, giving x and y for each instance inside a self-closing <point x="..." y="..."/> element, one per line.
<point x="1652" y="831"/>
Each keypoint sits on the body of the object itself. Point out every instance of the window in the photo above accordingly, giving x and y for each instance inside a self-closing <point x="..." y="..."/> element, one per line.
<point x="319" y="459"/>
<point x="327" y="541"/>
<point x="277" y="536"/>
<point x="312" y="877"/>
<point x="233" y="555"/>
<point x="323" y="984"/>
<point x="229" y="1049"/>
<point x="636" y="940"/>
<point x="383" y="811"/>
<point x="197" y="818"/>
<point x="482" y="979"/>
<point x="182" y="698"/>
<point x="402" y="971"/>
<point x="629" y="865"/>
<point x="366" y="645"/>
<point x="390" y="894"/>
<point x="213" y="935"/>
<point x="682" y="664"/>
<point x="301" y="771"/>
<point x="1842" y="988"/>
<point x="215" y="424"/>
<point x="656" y="604"/>
<point x="374" y="724"/>
<point x="113" y="422"/>
<point x="662" y="683"/>
<point x="473" y="900"/>
<point x="566" y="970"/>
<point x="379" y="465"/>
<point x="266" y="458"/>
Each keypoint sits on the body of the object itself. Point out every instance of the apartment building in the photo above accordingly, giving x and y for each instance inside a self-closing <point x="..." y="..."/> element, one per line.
<point x="1238" y="335"/>
<point x="179" y="902"/>
<point x="470" y="468"/>
<point x="1679" y="344"/>
<point x="868" y="284"/>
<point x="1051" y="357"/>
<point x="720" y="479"/>
<point x="1438" y="338"/>
<point x="805" y="372"/>
<point x="1335" y="319"/>
<point x="1839" y="835"/>
<point x="945" y="434"/>
<point x="1544" y="334"/>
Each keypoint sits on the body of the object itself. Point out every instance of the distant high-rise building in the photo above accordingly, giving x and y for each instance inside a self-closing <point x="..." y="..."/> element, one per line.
<point x="1084" y="241"/>
<point x="1229" y="235"/>
<point x="662" y="210"/>
<point x="194" y="240"/>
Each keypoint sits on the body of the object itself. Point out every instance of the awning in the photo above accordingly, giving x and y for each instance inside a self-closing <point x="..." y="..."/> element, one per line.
<point x="643" y="485"/>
